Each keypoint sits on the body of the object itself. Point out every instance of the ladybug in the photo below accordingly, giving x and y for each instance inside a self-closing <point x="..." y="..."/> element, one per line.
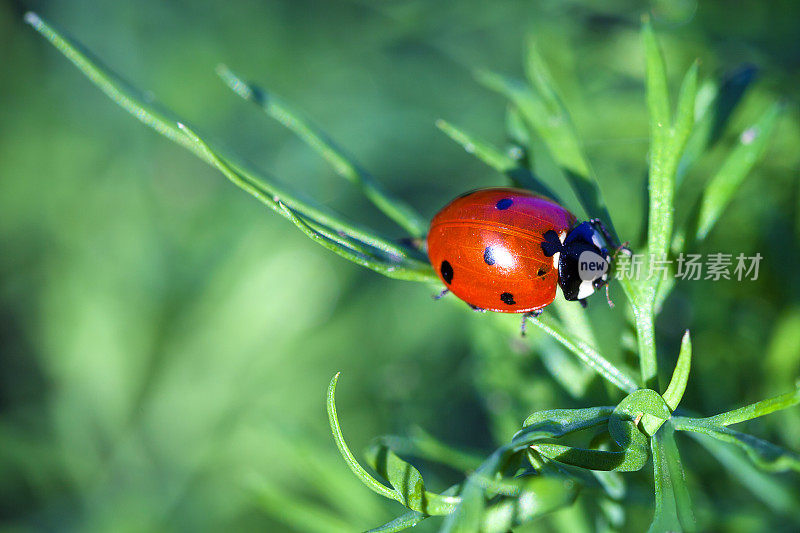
<point x="507" y="250"/>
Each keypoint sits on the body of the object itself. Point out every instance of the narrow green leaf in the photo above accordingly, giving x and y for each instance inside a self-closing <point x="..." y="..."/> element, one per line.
<point x="587" y="354"/>
<point x="541" y="495"/>
<point x="484" y="151"/>
<point x="165" y="122"/>
<point x="559" y="422"/>
<point x="406" y="481"/>
<point x="644" y="316"/>
<point x="755" y="410"/>
<point x="555" y="128"/>
<point x="426" y="446"/>
<point x="630" y="459"/>
<point x="667" y="143"/>
<point x="411" y="518"/>
<point x="656" y="82"/>
<point x="666" y="148"/>
<point x="407" y="269"/>
<point x="404" y="521"/>
<point x="396" y="271"/>
<point x="715" y="104"/>
<point x="645" y="406"/>
<point x="722" y="187"/>
<point x="533" y="496"/>
<point x="685" y="111"/>
<point x="344" y="165"/>
<point x="372" y="483"/>
<point x="467" y="515"/>
<point x="517" y="130"/>
<point x="570" y="373"/>
<point x="766" y="455"/>
<point x="680" y="377"/>
<point x="297" y="512"/>
<point x="496" y="159"/>
<point x="120" y="91"/>
<point x="762" y="485"/>
<point x="673" y="509"/>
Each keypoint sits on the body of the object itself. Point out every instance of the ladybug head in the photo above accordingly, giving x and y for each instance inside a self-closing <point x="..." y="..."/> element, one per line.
<point x="582" y="258"/>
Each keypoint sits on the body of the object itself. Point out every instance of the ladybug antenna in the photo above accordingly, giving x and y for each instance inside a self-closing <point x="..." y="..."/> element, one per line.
<point x="608" y="297"/>
<point x="622" y="248"/>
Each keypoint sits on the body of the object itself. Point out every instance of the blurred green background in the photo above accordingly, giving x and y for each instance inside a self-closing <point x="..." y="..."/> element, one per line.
<point x="165" y="342"/>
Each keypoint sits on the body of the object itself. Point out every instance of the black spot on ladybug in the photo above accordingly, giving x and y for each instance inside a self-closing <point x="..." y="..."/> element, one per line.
<point x="505" y="203"/>
<point x="541" y="272"/>
<point x="447" y="271"/>
<point x="507" y="298"/>
<point x="551" y="244"/>
<point x="488" y="255"/>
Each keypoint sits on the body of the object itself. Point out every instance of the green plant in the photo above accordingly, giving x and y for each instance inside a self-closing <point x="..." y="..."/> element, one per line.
<point x="540" y="469"/>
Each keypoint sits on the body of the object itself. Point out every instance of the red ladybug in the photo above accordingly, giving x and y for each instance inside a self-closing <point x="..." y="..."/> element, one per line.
<point x="506" y="250"/>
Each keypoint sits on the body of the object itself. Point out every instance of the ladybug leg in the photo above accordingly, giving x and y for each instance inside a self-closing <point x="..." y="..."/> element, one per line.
<point x="441" y="294"/>
<point x="476" y="308"/>
<point x="583" y="302"/>
<point x="526" y="316"/>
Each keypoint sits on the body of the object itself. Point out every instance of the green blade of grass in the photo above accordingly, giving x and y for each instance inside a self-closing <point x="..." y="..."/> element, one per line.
<point x="656" y="86"/>
<point x="344" y="165"/>
<point x="297" y="513"/>
<point x="406" y="481"/>
<point x="407" y="269"/>
<point x="755" y="410"/>
<point x="716" y="102"/>
<point x="764" y="454"/>
<point x="630" y="459"/>
<point x="395" y="271"/>
<point x="587" y="354"/>
<point x="666" y="148"/>
<point x="406" y="485"/>
<point x="572" y="375"/>
<point x="371" y="483"/>
<point x="720" y="190"/>
<point x="166" y="123"/>
<point x="673" y="509"/>
<point x="555" y="129"/>
<point x="518" y="133"/>
<point x="667" y="142"/>
<point x="423" y="444"/>
<point x="497" y="160"/>
<point x="402" y="522"/>
<point x="762" y="485"/>
<point x="680" y="377"/>
<point x="540" y="496"/>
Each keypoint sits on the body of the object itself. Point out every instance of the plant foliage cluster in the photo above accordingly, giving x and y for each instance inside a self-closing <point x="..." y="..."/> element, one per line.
<point x="557" y="454"/>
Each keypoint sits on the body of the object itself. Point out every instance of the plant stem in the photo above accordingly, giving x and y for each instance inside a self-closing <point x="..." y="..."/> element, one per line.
<point x="645" y="335"/>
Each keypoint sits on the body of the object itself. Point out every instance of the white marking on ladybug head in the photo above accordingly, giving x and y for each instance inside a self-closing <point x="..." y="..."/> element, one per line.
<point x="586" y="289"/>
<point x="556" y="257"/>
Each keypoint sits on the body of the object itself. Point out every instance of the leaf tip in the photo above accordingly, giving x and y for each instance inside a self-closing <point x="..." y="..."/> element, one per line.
<point x="222" y="70"/>
<point x="33" y="19"/>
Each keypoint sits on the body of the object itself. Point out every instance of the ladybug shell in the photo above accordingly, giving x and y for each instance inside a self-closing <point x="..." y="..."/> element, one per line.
<point x="486" y="246"/>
